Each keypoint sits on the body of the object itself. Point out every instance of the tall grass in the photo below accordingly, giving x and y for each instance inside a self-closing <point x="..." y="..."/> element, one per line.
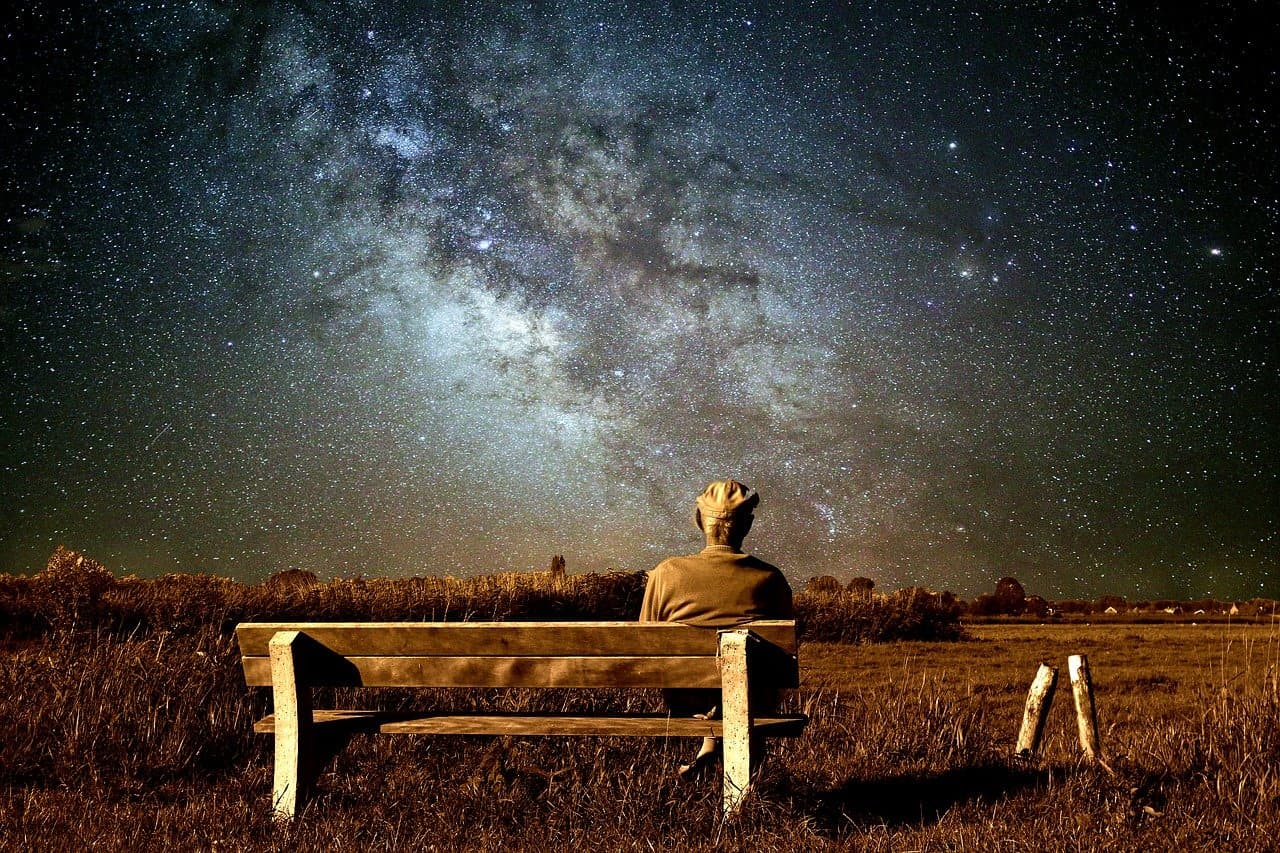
<point x="843" y="616"/>
<point x="162" y="726"/>
<point x="146" y="743"/>
<point x="77" y="592"/>
<point x="125" y="724"/>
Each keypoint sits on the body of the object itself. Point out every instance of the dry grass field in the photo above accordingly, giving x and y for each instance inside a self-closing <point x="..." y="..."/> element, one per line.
<point x="118" y="737"/>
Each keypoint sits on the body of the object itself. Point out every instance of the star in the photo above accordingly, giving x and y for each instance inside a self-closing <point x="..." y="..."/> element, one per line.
<point x="456" y="292"/>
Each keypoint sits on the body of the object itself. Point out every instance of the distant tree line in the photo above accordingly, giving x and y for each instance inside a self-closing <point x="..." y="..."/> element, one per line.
<point x="1010" y="598"/>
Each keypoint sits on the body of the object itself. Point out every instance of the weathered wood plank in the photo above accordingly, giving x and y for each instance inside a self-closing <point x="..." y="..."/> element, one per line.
<point x="293" y="744"/>
<point x="317" y="669"/>
<point x="506" y="639"/>
<point x="736" y="709"/>
<point x="654" y="725"/>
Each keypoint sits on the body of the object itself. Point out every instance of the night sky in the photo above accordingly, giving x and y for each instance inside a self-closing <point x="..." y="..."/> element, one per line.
<point x="964" y="290"/>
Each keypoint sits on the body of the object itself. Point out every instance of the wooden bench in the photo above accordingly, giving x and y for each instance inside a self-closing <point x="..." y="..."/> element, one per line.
<point x="291" y="658"/>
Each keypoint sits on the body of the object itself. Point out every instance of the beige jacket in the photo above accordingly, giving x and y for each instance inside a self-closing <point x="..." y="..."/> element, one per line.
<point x="717" y="588"/>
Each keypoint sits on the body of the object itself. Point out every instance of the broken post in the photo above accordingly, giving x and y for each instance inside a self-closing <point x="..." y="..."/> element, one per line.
<point x="1039" y="699"/>
<point x="1086" y="712"/>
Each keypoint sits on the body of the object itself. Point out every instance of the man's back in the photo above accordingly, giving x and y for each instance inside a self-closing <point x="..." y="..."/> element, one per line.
<point x="720" y="587"/>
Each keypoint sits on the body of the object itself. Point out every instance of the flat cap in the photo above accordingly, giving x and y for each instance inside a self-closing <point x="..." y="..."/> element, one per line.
<point x="726" y="498"/>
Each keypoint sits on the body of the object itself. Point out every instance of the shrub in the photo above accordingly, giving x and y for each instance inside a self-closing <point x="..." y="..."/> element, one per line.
<point x="862" y="586"/>
<point x="71" y="586"/>
<point x="1037" y="607"/>
<point x="850" y="617"/>
<point x="823" y="585"/>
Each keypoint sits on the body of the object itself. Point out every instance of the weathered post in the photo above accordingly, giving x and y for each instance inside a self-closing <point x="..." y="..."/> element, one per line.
<point x="736" y="718"/>
<point x="294" y="759"/>
<point x="1086" y="712"/>
<point x="1039" y="700"/>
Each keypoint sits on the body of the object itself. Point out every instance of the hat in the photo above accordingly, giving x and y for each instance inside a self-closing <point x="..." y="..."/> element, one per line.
<point x="726" y="498"/>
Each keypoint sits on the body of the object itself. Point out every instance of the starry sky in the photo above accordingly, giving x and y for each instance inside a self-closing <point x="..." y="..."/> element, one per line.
<point x="964" y="290"/>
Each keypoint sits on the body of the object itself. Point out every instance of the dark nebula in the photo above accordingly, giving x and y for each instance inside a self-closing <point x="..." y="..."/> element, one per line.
<point x="964" y="290"/>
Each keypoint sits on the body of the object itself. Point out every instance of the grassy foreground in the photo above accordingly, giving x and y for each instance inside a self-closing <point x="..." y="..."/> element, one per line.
<point x="141" y="739"/>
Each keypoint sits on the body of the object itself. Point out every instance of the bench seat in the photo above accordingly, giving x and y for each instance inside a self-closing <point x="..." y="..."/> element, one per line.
<point x="631" y="725"/>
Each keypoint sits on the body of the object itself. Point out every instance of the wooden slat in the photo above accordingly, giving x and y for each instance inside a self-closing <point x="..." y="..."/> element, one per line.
<point x="319" y="669"/>
<point x="390" y="722"/>
<point x="504" y="639"/>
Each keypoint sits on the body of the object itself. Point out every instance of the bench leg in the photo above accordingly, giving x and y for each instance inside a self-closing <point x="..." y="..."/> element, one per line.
<point x="294" y="736"/>
<point x="736" y="716"/>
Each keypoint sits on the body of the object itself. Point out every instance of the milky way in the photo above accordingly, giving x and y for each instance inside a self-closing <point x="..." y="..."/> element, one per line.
<point x="362" y="288"/>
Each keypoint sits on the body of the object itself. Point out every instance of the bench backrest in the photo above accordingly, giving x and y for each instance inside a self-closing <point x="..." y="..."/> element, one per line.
<point x="516" y="654"/>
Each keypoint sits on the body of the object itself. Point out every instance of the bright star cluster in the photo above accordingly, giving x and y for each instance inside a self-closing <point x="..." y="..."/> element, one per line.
<point x="964" y="291"/>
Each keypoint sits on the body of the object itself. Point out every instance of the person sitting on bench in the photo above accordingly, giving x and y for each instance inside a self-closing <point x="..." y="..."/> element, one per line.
<point x="719" y="587"/>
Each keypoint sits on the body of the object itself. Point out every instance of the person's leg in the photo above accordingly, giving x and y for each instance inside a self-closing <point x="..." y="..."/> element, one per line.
<point x="703" y="704"/>
<point x="706" y="757"/>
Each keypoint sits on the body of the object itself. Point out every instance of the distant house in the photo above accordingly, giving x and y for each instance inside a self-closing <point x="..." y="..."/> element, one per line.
<point x="1172" y="610"/>
<point x="1234" y="611"/>
<point x="1199" y="612"/>
<point x="1111" y="610"/>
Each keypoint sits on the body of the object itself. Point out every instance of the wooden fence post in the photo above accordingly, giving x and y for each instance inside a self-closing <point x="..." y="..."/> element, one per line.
<point x="736" y="717"/>
<point x="1039" y="700"/>
<point x="1086" y="712"/>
